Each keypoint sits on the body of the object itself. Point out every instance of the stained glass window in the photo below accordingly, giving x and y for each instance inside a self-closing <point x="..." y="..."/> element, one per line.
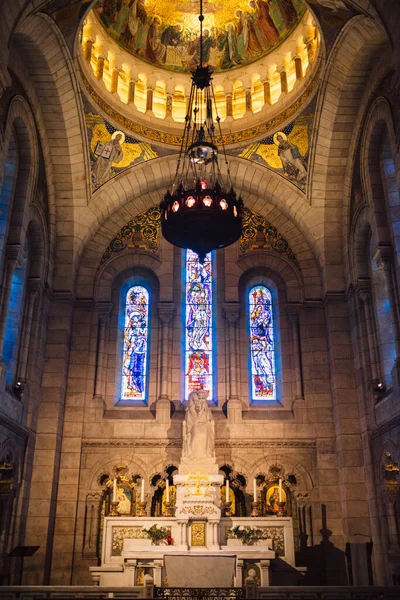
<point x="262" y="353"/>
<point x="198" y="334"/>
<point x="134" y="360"/>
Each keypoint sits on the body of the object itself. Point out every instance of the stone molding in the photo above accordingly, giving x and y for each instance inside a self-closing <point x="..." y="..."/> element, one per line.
<point x="385" y="428"/>
<point x="14" y="427"/>
<point x="178" y="444"/>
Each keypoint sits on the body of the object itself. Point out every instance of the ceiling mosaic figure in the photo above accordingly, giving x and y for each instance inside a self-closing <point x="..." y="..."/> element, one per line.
<point x="235" y="33"/>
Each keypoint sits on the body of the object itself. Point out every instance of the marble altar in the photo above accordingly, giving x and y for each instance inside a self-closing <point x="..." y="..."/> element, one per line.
<point x="198" y="529"/>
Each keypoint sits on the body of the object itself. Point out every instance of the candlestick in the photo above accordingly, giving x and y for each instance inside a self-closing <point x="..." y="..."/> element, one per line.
<point x="255" y="489"/>
<point x="113" y="511"/>
<point x="227" y="509"/>
<point x="280" y="489"/>
<point x="142" y="492"/>
<point x="254" y="512"/>
<point x="227" y="491"/>
<point x="115" y="489"/>
<point x="141" y="511"/>
<point x="167" y="491"/>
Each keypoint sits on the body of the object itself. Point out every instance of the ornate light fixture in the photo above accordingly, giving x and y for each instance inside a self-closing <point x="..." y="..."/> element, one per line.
<point x="200" y="211"/>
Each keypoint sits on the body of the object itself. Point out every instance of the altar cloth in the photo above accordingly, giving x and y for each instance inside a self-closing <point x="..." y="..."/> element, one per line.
<point x="200" y="570"/>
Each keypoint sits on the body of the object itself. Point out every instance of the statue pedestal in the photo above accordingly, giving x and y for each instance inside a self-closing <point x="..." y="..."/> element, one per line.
<point x="198" y="494"/>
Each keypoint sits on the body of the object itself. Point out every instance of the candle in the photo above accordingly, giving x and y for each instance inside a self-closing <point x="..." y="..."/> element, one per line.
<point x="255" y="490"/>
<point x="280" y="489"/>
<point x="142" y="492"/>
<point x="227" y="491"/>
<point x="167" y="491"/>
<point x="115" y="490"/>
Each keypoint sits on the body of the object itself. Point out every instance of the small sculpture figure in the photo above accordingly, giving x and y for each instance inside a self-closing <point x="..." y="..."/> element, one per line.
<point x="198" y="428"/>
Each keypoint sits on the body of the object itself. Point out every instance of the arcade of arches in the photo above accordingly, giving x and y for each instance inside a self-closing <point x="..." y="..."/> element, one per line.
<point x="293" y="332"/>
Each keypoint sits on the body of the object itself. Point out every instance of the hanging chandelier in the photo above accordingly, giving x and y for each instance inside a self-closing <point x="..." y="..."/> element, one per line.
<point x="201" y="211"/>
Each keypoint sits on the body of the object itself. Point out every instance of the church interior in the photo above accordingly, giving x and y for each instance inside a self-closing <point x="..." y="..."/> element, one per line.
<point x="173" y="418"/>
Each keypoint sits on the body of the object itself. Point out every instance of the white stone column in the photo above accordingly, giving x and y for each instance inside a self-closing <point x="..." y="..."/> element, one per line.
<point x="365" y="298"/>
<point x="294" y="319"/>
<point x="101" y="357"/>
<point x="33" y="299"/>
<point x="166" y="312"/>
<point x="130" y="567"/>
<point x="265" y="564"/>
<point x="231" y="311"/>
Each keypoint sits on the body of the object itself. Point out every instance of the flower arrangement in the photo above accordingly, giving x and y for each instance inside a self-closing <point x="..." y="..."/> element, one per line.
<point x="247" y="535"/>
<point x="157" y="534"/>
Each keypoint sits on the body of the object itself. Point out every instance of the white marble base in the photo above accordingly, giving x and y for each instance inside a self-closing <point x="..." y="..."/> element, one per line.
<point x="201" y="570"/>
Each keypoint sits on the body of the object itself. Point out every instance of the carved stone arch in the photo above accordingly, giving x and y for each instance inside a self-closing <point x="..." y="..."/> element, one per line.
<point x="90" y="480"/>
<point x="142" y="186"/>
<point x="378" y="139"/>
<point x="20" y="131"/>
<point x="280" y="269"/>
<point x="359" y="244"/>
<point x="343" y="99"/>
<point x="39" y="241"/>
<point x="115" y="268"/>
<point x="289" y="465"/>
<point x="46" y="54"/>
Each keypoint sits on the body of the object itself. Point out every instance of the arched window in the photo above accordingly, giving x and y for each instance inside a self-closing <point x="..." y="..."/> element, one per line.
<point x="262" y="345"/>
<point x="198" y="325"/>
<point x="135" y="344"/>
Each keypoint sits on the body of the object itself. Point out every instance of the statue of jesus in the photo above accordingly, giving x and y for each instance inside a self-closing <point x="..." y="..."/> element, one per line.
<point x="198" y="428"/>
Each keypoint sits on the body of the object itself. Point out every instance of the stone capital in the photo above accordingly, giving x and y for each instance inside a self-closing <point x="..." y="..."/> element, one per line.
<point x="166" y="311"/>
<point x="293" y="313"/>
<point x="383" y="257"/>
<point x="15" y="254"/>
<point x="104" y="309"/>
<point x="231" y="311"/>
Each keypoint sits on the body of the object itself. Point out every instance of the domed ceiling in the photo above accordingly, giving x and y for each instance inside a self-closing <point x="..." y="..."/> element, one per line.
<point x="166" y="32"/>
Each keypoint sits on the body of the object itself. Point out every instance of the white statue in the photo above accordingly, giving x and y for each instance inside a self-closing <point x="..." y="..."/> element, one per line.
<point x="198" y="428"/>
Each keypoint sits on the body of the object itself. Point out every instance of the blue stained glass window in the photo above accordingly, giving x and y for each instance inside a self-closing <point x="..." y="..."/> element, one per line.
<point x="136" y="333"/>
<point x="198" y="338"/>
<point x="262" y="352"/>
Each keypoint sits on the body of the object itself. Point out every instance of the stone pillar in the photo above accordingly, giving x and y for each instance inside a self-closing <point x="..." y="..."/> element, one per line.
<point x="294" y="320"/>
<point x="267" y="92"/>
<point x="284" y="82"/>
<point x="130" y="567"/>
<point x="99" y="68"/>
<point x="265" y="564"/>
<point x="40" y="524"/>
<point x="229" y="104"/>
<point x="366" y="304"/>
<point x="299" y="67"/>
<point x="14" y="255"/>
<point x="168" y="106"/>
<point x="352" y="488"/>
<point x="33" y="293"/>
<point x="239" y="573"/>
<point x="91" y="527"/>
<point x="149" y="99"/>
<point x="158" y="572"/>
<point x="131" y="91"/>
<point x="231" y="311"/>
<point x="87" y="50"/>
<point x="166" y="312"/>
<point x="101" y="358"/>
<point x="248" y="101"/>
<point x="392" y="519"/>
